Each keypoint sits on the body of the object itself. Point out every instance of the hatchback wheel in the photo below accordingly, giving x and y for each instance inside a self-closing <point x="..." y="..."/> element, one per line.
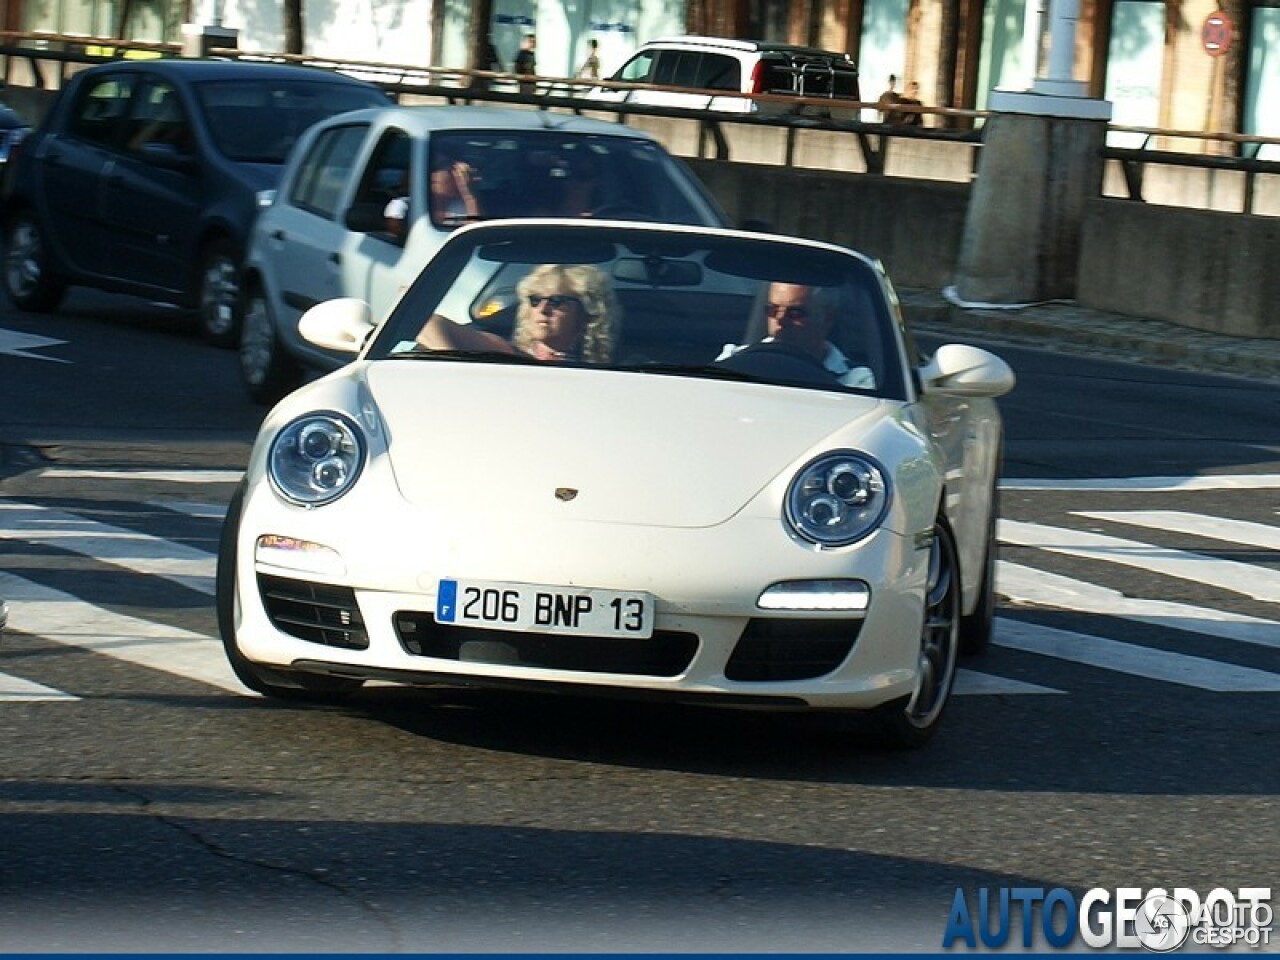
<point x="908" y="725"/>
<point x="28" y="278"/>
<point x="218" y="300"/>
<point x="267" y="370"/>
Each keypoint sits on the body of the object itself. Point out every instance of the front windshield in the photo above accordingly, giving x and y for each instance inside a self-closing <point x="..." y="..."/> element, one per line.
<point x="648" y="300"/>
<point x="259" y="120"/>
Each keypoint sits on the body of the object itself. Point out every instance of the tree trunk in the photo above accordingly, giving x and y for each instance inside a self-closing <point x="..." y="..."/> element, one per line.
<point x="479" y="34"/>
<point x="293" y="27"/>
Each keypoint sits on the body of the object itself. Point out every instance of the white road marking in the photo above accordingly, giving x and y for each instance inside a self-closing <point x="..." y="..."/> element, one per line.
<point x="1232" y="481"/>
<point x="1243" y="532"/>
<point x="1023" y="584"/>
<point x="201" y="511"/>
<point x="115" y="545"/>
<point x="1260" y="583"/>
<point x="17" y="344"/>
<point x="1146" y="662"/>
<point x="64" y="618"/>
<point x="16" y="690"/>
<point x="972" y="683"/>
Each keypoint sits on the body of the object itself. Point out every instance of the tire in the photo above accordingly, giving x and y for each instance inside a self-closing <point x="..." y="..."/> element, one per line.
<point x="29" y="278"/>
<point x="267" y="370"/>
<point x="977" y="629"/>
<point x="271" y="682"/>
<point x="218" y="293"/>
<point x="909" y="724"/>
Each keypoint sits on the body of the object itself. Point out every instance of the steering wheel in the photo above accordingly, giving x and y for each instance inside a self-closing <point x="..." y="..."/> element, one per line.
<point x="772" y="360"/>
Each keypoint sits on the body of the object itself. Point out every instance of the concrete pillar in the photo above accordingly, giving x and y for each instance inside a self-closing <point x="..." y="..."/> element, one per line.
<point x="1040" y="162"/>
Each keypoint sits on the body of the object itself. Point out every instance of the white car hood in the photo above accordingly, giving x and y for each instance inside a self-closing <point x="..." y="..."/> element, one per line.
<point x="635" y="449"/>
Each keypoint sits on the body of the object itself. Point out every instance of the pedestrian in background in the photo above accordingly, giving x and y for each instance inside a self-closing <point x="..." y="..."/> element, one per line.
<point x="590" y="69"/>
<point x="910" y="118"/>
<point x="526" y="64"/>
<point x="888" y="100"/>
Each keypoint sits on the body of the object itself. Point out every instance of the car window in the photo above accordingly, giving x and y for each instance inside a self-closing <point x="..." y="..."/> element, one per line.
<point x="101" y="112"/>
<point x="657" y="302"/>
<point x="387" y="175"/>
<point x="325" y="169"/>
<point x="670" y="66"/>
<point x="547" y="173"/>
<point x="258" y="121"/>
<point x="638" y="69"/>
<point x="158" y="119"/>
<point x="718" y="72"/>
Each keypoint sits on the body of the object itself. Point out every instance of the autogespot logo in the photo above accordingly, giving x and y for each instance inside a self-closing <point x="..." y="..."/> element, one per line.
<point x="1129" y="917"/>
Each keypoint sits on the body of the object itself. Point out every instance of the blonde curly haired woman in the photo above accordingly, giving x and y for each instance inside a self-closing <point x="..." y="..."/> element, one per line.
<point x="566" y="313"/>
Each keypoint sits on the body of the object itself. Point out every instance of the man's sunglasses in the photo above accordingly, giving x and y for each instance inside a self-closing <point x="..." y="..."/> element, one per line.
<point x="555" y="301"/>
<point x="777" y="311"/>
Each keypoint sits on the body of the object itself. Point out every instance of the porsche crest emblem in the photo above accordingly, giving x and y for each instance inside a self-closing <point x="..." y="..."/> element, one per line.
<point x="565" y="494"/>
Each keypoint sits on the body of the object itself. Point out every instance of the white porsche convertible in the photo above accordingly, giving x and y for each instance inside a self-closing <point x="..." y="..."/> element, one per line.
<point x="606" y="457"/>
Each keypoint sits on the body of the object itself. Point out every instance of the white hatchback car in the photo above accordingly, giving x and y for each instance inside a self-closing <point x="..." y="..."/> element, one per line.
<point x="324" y="235"/>
<point x="715" y="73"/>
<point x="625" y="458"/>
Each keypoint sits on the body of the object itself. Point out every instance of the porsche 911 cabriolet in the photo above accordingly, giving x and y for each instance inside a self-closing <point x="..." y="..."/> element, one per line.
<point x="604" y="457"/>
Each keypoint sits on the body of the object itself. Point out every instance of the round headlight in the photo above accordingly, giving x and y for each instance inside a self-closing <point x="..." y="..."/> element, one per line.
<point x="316" y="458"/>
<point x="838" y="499"/>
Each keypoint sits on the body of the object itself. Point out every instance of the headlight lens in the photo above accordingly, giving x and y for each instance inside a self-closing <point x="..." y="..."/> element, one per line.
<point x="316" y="458"/>
<point x="838" y="499"/>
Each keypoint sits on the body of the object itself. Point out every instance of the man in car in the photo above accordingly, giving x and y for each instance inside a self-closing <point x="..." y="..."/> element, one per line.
<point x="802" y="316"/>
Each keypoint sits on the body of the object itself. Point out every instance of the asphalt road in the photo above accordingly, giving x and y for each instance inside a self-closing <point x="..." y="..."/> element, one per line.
<point x="1120" y="734"/>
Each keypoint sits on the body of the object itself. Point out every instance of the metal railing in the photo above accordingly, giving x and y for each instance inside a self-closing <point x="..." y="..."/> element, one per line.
<point x="44" y="61"/>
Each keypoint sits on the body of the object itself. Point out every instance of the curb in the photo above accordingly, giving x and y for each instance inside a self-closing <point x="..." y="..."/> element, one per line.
<point x="1067" y="327"/>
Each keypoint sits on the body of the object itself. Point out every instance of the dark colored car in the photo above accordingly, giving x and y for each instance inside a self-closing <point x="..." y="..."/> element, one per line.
<point x="146" y="176"/>
<point x="13" y="130"/>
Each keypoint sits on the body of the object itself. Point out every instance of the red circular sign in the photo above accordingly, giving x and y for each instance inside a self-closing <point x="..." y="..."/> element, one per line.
<point x="1216" y="34"/>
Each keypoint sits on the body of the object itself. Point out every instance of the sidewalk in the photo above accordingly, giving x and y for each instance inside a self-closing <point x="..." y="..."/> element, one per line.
<point x="1066" y="327"/>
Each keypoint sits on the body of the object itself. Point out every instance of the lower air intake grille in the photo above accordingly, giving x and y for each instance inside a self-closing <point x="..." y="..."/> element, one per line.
<point x="665" y="654"/>
<point x="791" y="649"/>
<point x="315" y="612"/>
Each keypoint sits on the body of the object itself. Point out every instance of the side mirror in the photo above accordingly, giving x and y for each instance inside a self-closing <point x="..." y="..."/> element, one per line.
<point x="342" y="325"/>
<point x="960" y="370"/>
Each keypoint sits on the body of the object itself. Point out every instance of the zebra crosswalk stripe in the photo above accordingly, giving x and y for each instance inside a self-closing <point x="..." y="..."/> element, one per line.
<point x="118" y="546"/>
<point x="1022" y="584"/>
<point x="66" y="619"/>
<point x="1260" y="583"/>
<point x="1240" y="532"/>
<point x="1135" y="660"/>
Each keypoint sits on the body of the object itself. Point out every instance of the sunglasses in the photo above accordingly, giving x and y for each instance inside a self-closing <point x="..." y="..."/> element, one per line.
<point x="777" y="311"/>
<point x="555" y="301"/>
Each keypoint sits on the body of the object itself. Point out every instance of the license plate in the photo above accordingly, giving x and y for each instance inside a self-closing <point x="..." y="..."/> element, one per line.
<point x="542" y="609"/>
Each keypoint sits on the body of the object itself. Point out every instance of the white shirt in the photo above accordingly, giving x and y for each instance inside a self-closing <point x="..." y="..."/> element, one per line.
<point x="834" y="360"/>
<point x="397" y="208"/>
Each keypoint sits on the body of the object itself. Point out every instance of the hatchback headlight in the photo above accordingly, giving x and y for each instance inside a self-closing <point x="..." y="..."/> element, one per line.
<point x="316" y="459"/>
<point x="838" y="499"/>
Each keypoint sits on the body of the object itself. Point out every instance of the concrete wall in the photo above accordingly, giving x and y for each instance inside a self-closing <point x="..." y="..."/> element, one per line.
<point x="914" y="226"/>
<point x="1198" y="268"/>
